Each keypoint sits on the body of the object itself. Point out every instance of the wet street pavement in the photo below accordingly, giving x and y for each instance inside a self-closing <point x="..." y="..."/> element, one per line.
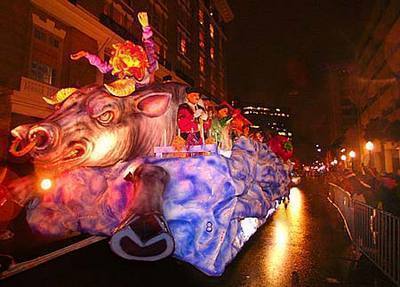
<point x="302" y="245"/>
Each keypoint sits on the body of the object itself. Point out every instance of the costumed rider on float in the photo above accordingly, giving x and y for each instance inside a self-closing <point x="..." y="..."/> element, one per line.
<point x="283" y="147"/>
<point x="192" y="117"/>
<point x="133" y="65"/>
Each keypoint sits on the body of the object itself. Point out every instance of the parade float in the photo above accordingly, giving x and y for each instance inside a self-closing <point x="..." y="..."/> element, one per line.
<point x="112" y="161"/>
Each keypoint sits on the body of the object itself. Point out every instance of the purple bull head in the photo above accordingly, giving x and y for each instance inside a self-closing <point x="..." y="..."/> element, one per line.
<point x="94" y="128"/>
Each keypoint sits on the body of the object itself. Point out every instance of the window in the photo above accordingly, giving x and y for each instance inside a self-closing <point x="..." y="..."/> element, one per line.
<point x="163" y="2"/>
<point x="185" y="4"/>
<point x="117" y="17"/>
<point x="161" y="50"/>
<point x="183" y="42"/>
<point x="107" y="9"/>
<point x="212" y="75"/>
<point x="45" y="37"/>
<point x="201" y="39"/>
<point x="159" y="19"/>
<point x="201" y="17"/>
<point x="202" y="83"/>
<point x="156" y="20"/>
<point x="185" y="14"/>
<point x="42" y="72"/>
<point x="201" y="64"/>
<point x="212" y="53"/>
<point x="211" y="31"/>
<point x="46" y="51"/>
<point x="213" y="89"/>
<point x="182" y="46"/>
<point x="130" y="26"/>
<point x="39" y="34"/>
<point x="54" y="42"/>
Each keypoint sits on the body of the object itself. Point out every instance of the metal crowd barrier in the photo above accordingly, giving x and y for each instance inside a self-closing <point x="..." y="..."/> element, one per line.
<point x="374" y="232"/>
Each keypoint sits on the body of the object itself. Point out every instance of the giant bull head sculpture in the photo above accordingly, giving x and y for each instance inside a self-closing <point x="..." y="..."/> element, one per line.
<point x="94" y="128"/>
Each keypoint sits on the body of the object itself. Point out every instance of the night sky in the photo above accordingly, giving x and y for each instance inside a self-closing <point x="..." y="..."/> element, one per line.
<point x="275" y="47"/>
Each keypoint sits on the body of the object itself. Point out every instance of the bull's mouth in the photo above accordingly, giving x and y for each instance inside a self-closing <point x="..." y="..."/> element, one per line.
<point x="77" y="150"/>
<point x="73" y="155"/>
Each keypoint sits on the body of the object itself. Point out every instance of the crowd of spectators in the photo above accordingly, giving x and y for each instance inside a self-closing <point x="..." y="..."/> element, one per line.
<point x="379" y="190"/>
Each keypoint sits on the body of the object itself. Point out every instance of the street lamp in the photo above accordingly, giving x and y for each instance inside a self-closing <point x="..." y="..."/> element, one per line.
<point x="369" y="146"/>
<point x="343" y="157"/>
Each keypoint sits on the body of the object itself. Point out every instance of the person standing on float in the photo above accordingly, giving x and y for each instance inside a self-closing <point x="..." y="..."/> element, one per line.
<point x="191" y="116"/>
<point x="129" y="61"/>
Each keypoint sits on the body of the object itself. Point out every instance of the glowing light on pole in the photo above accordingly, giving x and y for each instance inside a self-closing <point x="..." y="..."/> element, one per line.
<point x="343" y="157"/>
<point x="352" y="155"/>
<point x="369" y="146"/>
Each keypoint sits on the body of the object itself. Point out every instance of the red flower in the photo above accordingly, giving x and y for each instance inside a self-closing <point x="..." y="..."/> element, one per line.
<point x="281" y="146"/>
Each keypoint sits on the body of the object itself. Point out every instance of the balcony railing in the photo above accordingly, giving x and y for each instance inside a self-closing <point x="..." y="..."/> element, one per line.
<point x="28" y="100"/>
<point x="36" y="89"/>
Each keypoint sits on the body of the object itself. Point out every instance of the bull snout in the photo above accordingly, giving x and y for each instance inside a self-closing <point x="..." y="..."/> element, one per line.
<point x="33" y="138"/>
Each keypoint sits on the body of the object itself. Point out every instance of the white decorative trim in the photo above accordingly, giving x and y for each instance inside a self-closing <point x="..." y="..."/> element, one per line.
<point x="48" y="25"/>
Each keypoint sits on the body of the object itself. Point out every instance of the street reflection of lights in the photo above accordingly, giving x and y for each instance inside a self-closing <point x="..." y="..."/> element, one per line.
<point x="281" y="234"/>
<point x="296" y="200"/>
<point x="278" y="251"/>
<point x="288" y="232"/>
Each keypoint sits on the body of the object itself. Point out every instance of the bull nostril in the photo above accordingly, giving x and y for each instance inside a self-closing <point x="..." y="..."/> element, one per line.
<point x="41" y="138"/>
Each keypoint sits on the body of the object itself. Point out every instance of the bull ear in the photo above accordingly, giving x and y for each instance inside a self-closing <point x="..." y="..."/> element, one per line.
<point x="154" y="105"/>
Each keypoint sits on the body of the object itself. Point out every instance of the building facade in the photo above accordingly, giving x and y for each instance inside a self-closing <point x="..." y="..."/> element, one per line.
<point x="37" y="37"/>
<point x="274" y="119"/>
<point x="342" y="112"/>
<point x="374" y="90"/>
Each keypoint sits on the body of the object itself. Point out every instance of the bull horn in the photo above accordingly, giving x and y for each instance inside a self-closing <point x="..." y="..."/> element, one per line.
<point x="121" y="88"/>
<point x="60" y="96"/>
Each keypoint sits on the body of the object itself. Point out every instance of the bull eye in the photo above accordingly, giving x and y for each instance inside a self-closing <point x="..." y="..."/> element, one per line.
<point x="106" y="117"/>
